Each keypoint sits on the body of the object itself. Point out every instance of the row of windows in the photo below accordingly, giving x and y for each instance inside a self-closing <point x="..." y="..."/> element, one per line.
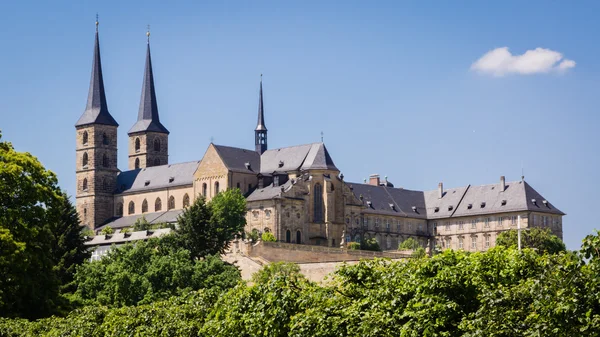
<point x="85" y="160"/>
<point x="499" y="222"/>
<point x="448" y="244"/>
<point x="157" y="162"/>
<point x="389" y="241"/>
<point x="156" y="144"/>
<point x="205" y="189"/>
<point x="105" y="185"/>
<point x="157" y="205"/>
<point x="84" y="138"/>
<point x="389" y="224"/>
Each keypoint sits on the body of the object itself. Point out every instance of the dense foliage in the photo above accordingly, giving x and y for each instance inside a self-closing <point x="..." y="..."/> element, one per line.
<point x="207" y="228"/>
<point x="537" y="238"/>
<point x="148" y="271"/>
<point x="268" y="237"/>
<point x="40" y="237"/>
<point x="501" y="292"/>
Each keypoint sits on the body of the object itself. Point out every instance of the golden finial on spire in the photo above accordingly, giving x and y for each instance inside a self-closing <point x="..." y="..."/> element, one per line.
<point x="148" y="33"/>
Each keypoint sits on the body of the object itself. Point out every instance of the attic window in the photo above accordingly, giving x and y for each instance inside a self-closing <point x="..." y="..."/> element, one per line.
<point x="280" y="163"/>
<point x="534" y="201"/>
<point x="503" y="202"/>
<point x="147" y="182"/>
<point x="393" y="207"/>
<point x="369" y="203"/>
<point x="450" y="207"/>
<point x="437" y="209"/>
<point x="546" y="203"/>
<point x="493" y="187"/>
<point x="469" y="206"/>
<point x="482" y="204"/>
<point x="414" y="208"/>
<point x="171" y="179"/>
<point x="247" y="166"/>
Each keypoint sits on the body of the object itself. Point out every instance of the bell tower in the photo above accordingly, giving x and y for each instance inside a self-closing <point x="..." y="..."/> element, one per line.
<point x="148" y="138"/>
<point x="260" y="133"/>
<point x="96" y="152"/>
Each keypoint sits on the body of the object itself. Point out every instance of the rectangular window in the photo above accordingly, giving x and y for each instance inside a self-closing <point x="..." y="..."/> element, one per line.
<point x="420" y="226"/>
<point x="473" y="242"/>
<point x="365" y="221"/>
<point x="409" y="226"/>
<point x="398" y="227"/>
<point x="449" y="243"/>
<point x="461" y="242"/>
<point x="435" y="228"/>
<point x="387" y="224"/>
<point x="473" y="224"/>
<point x="487" y="241"/>
<point x="500" y="221"/>
<point x="461" y="225"/>
<point x="487" y="223"/>
<point x="377" y="222"/>
<point x="513" y="220"/>
<point x="447" y="226"/>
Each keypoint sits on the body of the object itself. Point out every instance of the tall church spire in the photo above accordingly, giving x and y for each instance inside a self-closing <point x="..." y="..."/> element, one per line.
<point x="96" y="111"/>
<point x="260" y="133"/>
<point x="148" y="120"/>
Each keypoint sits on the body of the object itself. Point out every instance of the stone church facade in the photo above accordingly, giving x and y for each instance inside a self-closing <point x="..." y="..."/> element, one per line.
<point x="296" y="192"/>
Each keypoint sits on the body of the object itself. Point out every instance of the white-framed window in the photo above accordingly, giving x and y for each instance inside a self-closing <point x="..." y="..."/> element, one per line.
<point x="267" y="214"/>
<point x="435" y="228"/>
<point x="473" y="242"/>
<point x="449" y="243"/>
<point x="387" y="224"/>
<point x="500" y="221"/>
<point x="447" y="226"/>
<point x="461" y="225"/>
<point x="474" y="224"/>
<point x="513" y="220"/>
<point x="365" y="221"/>
<point x="409" y="226"/>
<point x="376" y="222"/>
<point x="487" y="223"/>
<point x="487" y="241"/>
<point x="399" y="226"/>
<point x="420" y="226"/>
<point x="461" y="242"/>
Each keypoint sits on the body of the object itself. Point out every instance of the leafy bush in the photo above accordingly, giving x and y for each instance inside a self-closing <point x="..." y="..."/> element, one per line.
<point x="536" y="238"/>
<point x="268" y="237"/>
<point x="253" y="235"/>
<point x="409" y="244"/>
<point x="370" y="244"/>
<point x="354" y="245"/>
<point x="141" y="224"/>
<point x="107" y="230"/>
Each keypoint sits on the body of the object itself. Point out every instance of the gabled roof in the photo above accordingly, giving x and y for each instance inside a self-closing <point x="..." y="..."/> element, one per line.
<point x="296" y="158"/>
<point x="148" y="119"/>
<point x="235" y="159"/>
<point x="157" y="177"/>
<point x="380" y="199"/>
<point x="120" y="238"/>
<point x="269" y="192"/>
<point x="96" y="110"/>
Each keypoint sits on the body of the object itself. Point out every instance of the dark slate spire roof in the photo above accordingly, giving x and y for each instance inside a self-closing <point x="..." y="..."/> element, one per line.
<point x="96" y="111"/>
<point x="148" y="119"/>
<point x="260" y="126"/>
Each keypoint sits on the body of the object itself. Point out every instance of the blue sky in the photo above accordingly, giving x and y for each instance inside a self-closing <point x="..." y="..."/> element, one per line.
<point x="391" y="84"/>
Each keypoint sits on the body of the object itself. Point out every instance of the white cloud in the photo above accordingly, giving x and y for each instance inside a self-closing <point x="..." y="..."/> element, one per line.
<point x="500" y="61"/>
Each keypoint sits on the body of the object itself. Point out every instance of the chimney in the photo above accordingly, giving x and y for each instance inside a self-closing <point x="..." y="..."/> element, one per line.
<point x="441" y="190"/>
<point x="374" y="179"/>
<point x="502" y="184"/>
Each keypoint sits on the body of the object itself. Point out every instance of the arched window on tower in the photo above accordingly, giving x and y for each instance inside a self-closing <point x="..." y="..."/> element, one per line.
<point x="288" y="236"/>
<point x="137" y="145"/>
<point x="216" y="187"/>
<point x="156" y="162"/>
<point x="137" y="163"/>
<point x="105" y="160"/>
<point x="157" y="205"/>
<point x="171" y="204"/>
<point x="145" y="206"/>
<point x="131" y="209"/>
<point x="298" y="237"/>
<point x="84" y="138"/>
<point x="84" y="160"/>
<point x="105" y="139"/>
<point x="120" y="209"/>
<point x="84" y="185"/>
<point x="85" y="214"/>
<point x="204" y="189"/>
<point x="156" y="144"/>
<point x="105" y="186"/>
<point x="186" y="200"/>
<point x="318" y="203"/>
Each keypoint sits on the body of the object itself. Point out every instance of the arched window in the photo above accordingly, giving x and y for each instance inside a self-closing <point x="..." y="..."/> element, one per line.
<point x="288" y="236"/>
<point x="105" y="186"/>
<point x="84" y="139"/>
<point x="216" y="187"/>
<point x="186" y="200"/>
<point x="204" y="189"/>
<point x="131" y="209"/>
<point x="298" y="237"/>
<point x="105" y="160"/>
<point x="85" y="214"/>
<point x="120" y="209"/>
<point x="157" y="205"/>
<point x="84" y="185"/>
<point x="171" y="204"/>
<point x="145" y="206"/>
<point x="156" y="161"/>
<point x="105" y="139"/>
<point x="137" y="145"/>
<point x="156" y="144"/>
<point x="137" y="163"/>
<point x="84" y="161"/>
<point x="318" y="203"/>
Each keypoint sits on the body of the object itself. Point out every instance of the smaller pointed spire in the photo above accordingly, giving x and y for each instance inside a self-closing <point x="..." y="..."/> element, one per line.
<point x="148" y="119"/>
<point x="96" y="111"/>
<point x="260" y="126"/>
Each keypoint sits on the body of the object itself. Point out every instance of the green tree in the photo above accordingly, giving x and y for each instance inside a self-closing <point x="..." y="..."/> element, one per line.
<point x="252" y="235"/>
<point x="370" y="244"/>
<point x="354" y="245"/>
<point x="29" y="287"/>
<point x="268" y="237"/>
<point x="409" y="244"/>
<point x="207" y="228"/>
<point x="537" y="238"/>
<point x="147" y="271"/>
<point x="275" y="269"/>
<point x="107" y="230"/>
<point x="141" y="224"/>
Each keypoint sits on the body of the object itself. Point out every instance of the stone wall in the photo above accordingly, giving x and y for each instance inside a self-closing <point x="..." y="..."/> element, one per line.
<point x="146" y="153"/>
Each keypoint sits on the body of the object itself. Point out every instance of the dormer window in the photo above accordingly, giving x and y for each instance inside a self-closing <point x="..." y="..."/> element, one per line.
<point x="171" y="179"/>
<point x="280" y="163"/>
<point x="469" y="206"/>
<point x="450" y="207"/>
<point x="482" y="204"/>
<point x="503" y="202"/>
<point x="369" y="204"/>
<point x="533" y="201"/>
<point x="437" y="209"/>
<point x="414" y="208"/>
<point x="545" y="202"/>
<point x="393" y="207"/>
<point x="247" y="165"/>
<point x="147" y="182"/>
